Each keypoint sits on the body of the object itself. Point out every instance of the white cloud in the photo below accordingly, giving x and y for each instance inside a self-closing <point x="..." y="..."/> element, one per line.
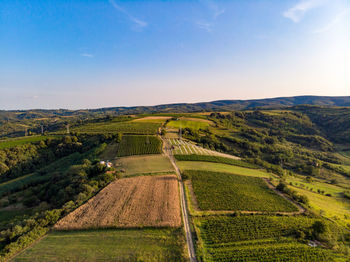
<point x="205" y="26"/>
<point x="87" y="55"/>
<point x="297" y="12"/>
<point x="338" y="18"/>
<point x="139" y="23"/>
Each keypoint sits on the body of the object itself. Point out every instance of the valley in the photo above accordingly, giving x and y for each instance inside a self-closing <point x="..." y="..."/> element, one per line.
<point x="229" y="186"/>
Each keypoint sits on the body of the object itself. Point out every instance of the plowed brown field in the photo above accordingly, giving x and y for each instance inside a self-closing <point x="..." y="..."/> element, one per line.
<point x="130" y="202"/>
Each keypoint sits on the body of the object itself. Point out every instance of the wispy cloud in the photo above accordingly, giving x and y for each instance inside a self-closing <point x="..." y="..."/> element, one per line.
<point x="87" y="55"/>
<point x="297" y="12"/>
<point x="214" y="8"/>
<point x="207" y="26"/>
<point x="138" y="22"/>
<point x="215" y="12"/>
<point x="338" y="18"/>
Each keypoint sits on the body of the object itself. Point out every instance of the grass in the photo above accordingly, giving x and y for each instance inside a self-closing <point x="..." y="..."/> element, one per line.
<point x="221" y="191"/>
<point x="129" y="127"/>
<point x="21" y="141"/>
<point x="219" y="167"/>
<point x="108" y="245"/>
<point x="144" y="164"/>
<point x="335" y="208"/>
<point x="315" y="185"/>
<point x="133" y="145"/>
<point x="215" y="159"/>
<point x="246" y="238"/>
<point x="188" y="123"/>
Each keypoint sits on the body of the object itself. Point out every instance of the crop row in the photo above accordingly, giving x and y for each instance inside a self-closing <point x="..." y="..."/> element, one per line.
<point x="222" y="191"/>
<point x="119" y="127"/>
<point x="182" y="147"/>
<point x="224" y="229"/>
<point x="271" y="252"/>
<point x="139" y="145"/>
<point x="257" y="238"/>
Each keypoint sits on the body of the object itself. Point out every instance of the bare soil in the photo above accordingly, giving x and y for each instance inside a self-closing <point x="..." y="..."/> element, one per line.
<point x="130" y="202"/>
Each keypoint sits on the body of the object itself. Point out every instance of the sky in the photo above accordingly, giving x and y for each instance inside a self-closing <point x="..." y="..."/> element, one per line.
<point x="104" y="53"/>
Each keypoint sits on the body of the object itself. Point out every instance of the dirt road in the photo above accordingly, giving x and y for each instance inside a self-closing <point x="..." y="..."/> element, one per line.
<point x="191" y="252"/>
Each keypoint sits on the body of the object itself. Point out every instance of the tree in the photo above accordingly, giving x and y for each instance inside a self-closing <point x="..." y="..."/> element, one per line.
<point x="67" y="140"/>
<point x="319" y="227"/>
<point x="119" y="137"/>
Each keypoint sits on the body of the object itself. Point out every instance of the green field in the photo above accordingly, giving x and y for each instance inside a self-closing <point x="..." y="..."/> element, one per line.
<point x="246" y="238"/>
<point x="108" y="245"/>
<point x="335" y="208"/>
<point x="200" y="124"/>
<point x="129" y="127"/>
<point x="133" y="145"/>
<point x="224" y="168"/>
<point x="214" y="159"/>
<point x="147" y="164"/>
<point x="21" y="141"/>
<point x="222" y="191"/>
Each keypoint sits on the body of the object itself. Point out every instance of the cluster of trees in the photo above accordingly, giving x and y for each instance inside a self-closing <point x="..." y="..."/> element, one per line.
<point x="286" y="139"/>
<point x="24" y="159"/>
<point x="282" y="186"/>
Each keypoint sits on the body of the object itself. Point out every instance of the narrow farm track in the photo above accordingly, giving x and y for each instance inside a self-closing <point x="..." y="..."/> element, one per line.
<point x="301" y="208"/>
<point x="191" y="252"/>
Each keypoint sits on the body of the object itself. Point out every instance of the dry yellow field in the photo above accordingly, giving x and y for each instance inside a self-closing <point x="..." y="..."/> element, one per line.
<point x="130" y="202"/>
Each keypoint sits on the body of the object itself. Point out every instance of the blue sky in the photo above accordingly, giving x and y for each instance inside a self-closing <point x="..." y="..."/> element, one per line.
<point x="89" y="54"/>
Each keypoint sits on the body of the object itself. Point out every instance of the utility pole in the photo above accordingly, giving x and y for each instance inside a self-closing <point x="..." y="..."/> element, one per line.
<point x="26" y="131"/>
<point x="42" y="129"/>
<point x="67" y="126"/>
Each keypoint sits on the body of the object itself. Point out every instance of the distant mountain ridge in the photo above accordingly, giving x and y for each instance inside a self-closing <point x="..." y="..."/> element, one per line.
<point x="223" y="105"/>
<point x="324" y="111"/>
<point x="219" y="105"/>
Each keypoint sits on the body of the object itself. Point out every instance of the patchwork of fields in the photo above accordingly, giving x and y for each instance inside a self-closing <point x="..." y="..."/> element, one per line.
<point x="108" y="245"/>
<point x="130" y="202"/>
<point x="221" y="191"/>
<point x="138" y="216"/>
